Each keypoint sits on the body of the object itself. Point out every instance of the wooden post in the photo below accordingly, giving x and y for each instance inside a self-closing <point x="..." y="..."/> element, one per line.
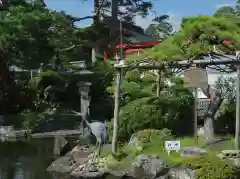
<point x="158" y="81"/>
<point x="195" y="115"/>
<point x="116" y="110"/>
<point x="119" y="76"/>
<point x="237" y="109"/>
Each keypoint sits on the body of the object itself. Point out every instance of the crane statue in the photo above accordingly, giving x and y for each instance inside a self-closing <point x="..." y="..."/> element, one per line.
<point x="99" y="130"/>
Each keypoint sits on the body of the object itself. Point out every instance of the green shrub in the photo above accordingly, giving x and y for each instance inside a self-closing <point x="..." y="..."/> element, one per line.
<point x="150" y="136"/>
<point x="211" y="168"/>
<point x="31" y="120"/>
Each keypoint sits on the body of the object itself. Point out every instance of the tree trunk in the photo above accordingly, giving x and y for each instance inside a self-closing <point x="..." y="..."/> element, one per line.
<point x="114" y="10"/>
<point x="208" y="129"/>
<point x="114" y="24"/>
<point x="212" y="112"/>
<point x="9" y="87"/>
<point x="1" y="119"/>
<point x="96" y="21"/>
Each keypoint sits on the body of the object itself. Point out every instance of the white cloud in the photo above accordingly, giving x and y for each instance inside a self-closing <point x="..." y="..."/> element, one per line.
<point x="174" y="19"/>
<point x="144" y="22"/>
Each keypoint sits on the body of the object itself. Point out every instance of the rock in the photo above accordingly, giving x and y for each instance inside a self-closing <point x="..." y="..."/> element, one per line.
<point x="216" y="142"/>
<point x="192" y="151"/>
<point x="181" y="173"/>
<point x="59" y="143"/>
<point x="142" y="136"/>
<point x="229" y="154"/>
<point x="88" y="170"/>
<point x="84" y="174"/>
<point x="64" y="164"/>
<point x="5" y="129"/>
<point x="118" y="174"/>
<point x="148" y="167"/>
<point x="163" y="177"/>
<point x="7" y="133"/>
<point x="77" y="149"/>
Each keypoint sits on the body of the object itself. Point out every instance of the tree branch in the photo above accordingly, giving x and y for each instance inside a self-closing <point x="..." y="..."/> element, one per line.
<point x="75" y="19"/>
<point x="68" y="48"/>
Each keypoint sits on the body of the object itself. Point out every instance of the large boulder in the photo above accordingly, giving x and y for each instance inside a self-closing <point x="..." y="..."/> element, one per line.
<point x="148" y="167"/>
<point x="69" y="162"/>
<point x="233" y="156"/>
<point x="181" y="173"/>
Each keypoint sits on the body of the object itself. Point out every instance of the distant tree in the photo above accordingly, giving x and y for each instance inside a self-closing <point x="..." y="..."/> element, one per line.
<point x="161" y="28"/>
<point x="227" y="87"/>
<point x="225" y="11"/>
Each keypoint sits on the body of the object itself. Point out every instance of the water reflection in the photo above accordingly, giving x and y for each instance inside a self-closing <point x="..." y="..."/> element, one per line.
<point x="26" y="160"/>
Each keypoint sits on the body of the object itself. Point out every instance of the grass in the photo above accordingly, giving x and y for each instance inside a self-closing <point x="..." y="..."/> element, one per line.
<point x="126" y="154"/>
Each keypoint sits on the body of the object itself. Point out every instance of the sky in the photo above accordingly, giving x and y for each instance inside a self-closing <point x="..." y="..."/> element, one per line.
<point x="176" y="9"/>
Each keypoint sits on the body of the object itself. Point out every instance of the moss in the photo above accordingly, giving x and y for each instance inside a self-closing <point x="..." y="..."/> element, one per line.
<point x="211" y="168"/>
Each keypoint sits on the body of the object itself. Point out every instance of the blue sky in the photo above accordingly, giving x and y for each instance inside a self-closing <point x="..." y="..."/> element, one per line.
<point x="175" y="8"/>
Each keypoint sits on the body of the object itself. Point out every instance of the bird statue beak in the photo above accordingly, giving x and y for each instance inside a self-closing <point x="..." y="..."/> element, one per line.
<point x="75" y="112"/>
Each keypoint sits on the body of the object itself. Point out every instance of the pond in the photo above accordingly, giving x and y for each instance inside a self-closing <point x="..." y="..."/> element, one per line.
<point x="26" y="160"/>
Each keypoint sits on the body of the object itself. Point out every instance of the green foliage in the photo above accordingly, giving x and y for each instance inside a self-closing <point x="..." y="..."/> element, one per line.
<point x="30" y="35"/>
<point x="211" y="168"/>
<point x="149" y="141"/>
<point x="149" y="137"/>
<point x="25" y="33"/>
<point x="45" y="88"/>
<point x="197" y="36"/>
<point x="30" y="120"/>
<point x="141" y="109"/>
<point x="101" y="101"/>
<point x="46" y="79"/>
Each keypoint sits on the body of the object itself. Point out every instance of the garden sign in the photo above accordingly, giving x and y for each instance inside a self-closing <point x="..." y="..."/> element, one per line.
<point x="172" y="145"/>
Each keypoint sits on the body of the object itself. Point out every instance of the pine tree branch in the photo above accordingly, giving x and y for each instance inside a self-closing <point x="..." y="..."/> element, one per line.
<point x="76" y="19"/>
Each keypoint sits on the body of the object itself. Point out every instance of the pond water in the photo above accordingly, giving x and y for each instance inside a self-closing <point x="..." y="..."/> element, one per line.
<point x="26" y="160"/>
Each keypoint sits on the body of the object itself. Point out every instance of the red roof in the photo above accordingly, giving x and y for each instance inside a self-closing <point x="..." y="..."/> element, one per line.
<point x="130" y="51"/>
<point x="134" y="48"/>
<point x="227" y="42"/>
<point x="139" y="45"/>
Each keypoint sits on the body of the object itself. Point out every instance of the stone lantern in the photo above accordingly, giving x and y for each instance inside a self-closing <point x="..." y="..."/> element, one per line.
<point x="85" y="99"/>
<point x="84" y="89"/>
